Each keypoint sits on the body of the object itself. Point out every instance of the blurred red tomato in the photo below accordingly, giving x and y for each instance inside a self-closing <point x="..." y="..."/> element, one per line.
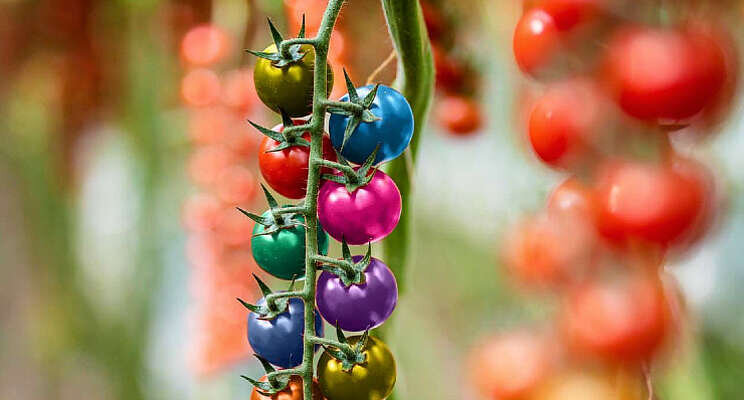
<point x="238" y="91"/>
<point x="509" y="366"/>
<point x="208" y="162"/>
<point x="450" y="75"/>
<point x="292" y="392"/>
<point x="312" y="10"/>
<point x="623" y="320"/>
<point x="592" y="385"/>
<point x="459" y="115"/>
<point x="664" y="74"/>
<point x="233" y="228"/>
<point x="549" y="249"/>
<point x="236" y="185"/>
<point x="536" y="40"/>
<point x="209" y="125"/>
<point x="200" y="87"/>
<point x="573" y="197"/>
<point x="564" y="122"/>
<point x="200" y="212"/>
<point x="657" y="203"/>
<point x="205" y="45"/>
<point x="436" y="25"/>
<point x="568" y="14"/>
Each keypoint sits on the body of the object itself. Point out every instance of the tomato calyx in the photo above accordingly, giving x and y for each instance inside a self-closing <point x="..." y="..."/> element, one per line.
<point x="273" y="384"/>
<point x="274" y="306"/>
<point x="277" y="218"/>
<point x="352" y="178"/>
<point x="284" y="138"/>
<point x="349" y="272"/>
<point x="349" y="355"/>
<point x="358" y="109"/>
<point x="280" y="59"/>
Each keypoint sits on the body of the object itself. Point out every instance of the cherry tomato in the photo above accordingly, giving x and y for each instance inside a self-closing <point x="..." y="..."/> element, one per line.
<point x="450" y="75"/>
<point x="373" y="380"/>
<point x="549" y="250"/>
<point x="535" y="41"/>
<point x="592" y="385"/>
<point x="563" y="123"/>
<point x="359" y="306"/>
<point x="573" y="197"/>
<point x="663" y="74"/>
<point x="569" y="14"/>
<point x="208" y="162"/>
<point x="286" y="170"/>
<point x="392" y="132"/>
<point x="367" y="215"/>
<point x="461" y="116"/>
<point x="293" y="391"/>
<point x="282" y="253"/>
<point x="233" y="228"/>
<point x="200" y="212"/>
<point x="205" y="45"/>
<point x="290" y="87"/>
<point x="279" y="340"/>
<point x="624" y="320"/>
<point x="236" y="185"/>
<point x="208" y="126"/>
<point x="200" y="87"/>
<point x="238" y="90"/>
<point x="509" y="366"/>
<point x="657" y="203"/>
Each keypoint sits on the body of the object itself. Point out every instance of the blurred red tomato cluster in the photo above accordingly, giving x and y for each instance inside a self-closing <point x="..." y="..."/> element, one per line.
<point x="631" y="201"/>
<point x="458" y="110"/>
<point x="218" y="102"/>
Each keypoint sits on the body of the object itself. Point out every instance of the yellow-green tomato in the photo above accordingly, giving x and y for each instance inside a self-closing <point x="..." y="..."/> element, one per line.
<point x="289" y="87"/>
<point x="373" y="380"/>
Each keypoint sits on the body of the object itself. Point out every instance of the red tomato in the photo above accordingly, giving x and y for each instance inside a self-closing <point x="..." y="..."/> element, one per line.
<point x="450" y="75"/>
<point x="573" y="197"/>
<point x="436" y="25"/>
<point x="563" y="123"/>
<point x="510" y="366"/>
<point x="459" y="115"/>
<point x="293" y="391"/>
<point x="208" y="126"/>
<point x="662" y="74"/>
<point x="286" y="171"/>
<point x="622" y="320"/>
<point x="570" y="13"/>
<point x="205" y="45"/>
<point x="200" y="212"/>
<point x="200" y="87"/>
<point x="236" y="185"/>
<point x="549" y="250"/>
<point x="657" y="203"/>
<point x="535" y="41"/>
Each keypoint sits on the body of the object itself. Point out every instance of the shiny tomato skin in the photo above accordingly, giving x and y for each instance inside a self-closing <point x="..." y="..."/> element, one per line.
<point x="573" y="197"/>
<point x="366" y="215"/>
<point x="622" y="321"/>
<point x="459" y="115"/>
<point x="293" y="391"/>
<point x="664" y="74"/>
<point x="282" y="253"/>
<point x="639" y="201"/>
<point x="358" y="307"/>
<point x="563" y="122"/>
<point x="569" y="14"/>
<point x="286" y="170"/>
<point x="373" y="380"/>
<point x="279" y="340"/>
<point x="290" y="87"/>
<point x="535" y="41"/>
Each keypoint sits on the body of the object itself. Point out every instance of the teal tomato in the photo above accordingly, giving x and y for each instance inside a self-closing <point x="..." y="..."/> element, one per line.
<point x="373" y="380"/>
<point x="282" y="253"/>
<point x="392" y="131"/>
<point x="290" y="87"/>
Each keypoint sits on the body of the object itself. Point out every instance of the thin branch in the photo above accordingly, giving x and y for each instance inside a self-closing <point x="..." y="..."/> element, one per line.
<point x="390" y="58"/>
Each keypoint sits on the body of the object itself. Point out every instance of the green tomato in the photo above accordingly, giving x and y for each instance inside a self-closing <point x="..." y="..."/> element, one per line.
<point x="373" y="380"/>
<point x="290" y="87"/>
<point x="282" y="253"/>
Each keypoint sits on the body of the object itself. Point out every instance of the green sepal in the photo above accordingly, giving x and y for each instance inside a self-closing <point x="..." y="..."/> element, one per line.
<point x="301" y="33"/>
<point x="351" y="126"/>
<point x="268" y="368"/>
<point x="275" y="35"/>
<point x="249" y="306"/>
<point x="350" y="88"/>
<point x="277" y="136"/>
<point x="274" y="57"/>
<point x="350" y="273"/>
<point x="334" y="178"/>
<point x="349" y="356"/>
<point x="267" y="388"/>
<point x="340" y="335"/>
<point x="285" y="141"/>
<point x="370" y="97"/>
<point x="269" y="310"/>
<point x="269" y="198"/>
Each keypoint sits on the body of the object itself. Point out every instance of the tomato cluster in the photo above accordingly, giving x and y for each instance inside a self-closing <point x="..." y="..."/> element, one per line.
<point x="356" y="204"/>
<point x="458" y="110"/>
<point x="629" y="203"/>
<point x="218" y="245"/>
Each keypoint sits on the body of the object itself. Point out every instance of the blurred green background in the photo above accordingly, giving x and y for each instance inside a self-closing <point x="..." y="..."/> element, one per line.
<point x="96" y="289"/>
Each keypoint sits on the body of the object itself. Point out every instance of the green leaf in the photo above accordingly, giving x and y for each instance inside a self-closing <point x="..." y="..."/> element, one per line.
<point x="275" y="35"/>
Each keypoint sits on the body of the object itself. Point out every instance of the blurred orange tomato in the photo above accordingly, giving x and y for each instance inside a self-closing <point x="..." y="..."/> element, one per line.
<point x="205" y="45"/>
<point x="200" y="87"/>
<point x="207" y="163"/>
<point x="573" y="197"/>
<point x="536" y="40"/>
<point x="236" y="185"/>
<point x="199" y="212"/>
<point x="459" y="115"/>
<point x="293" y="391"/>
<point x="238" y="90"/>
<point x="592" y="385"/>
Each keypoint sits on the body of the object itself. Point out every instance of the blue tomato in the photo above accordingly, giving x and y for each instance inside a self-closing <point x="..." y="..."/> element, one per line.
<point x="393" y="131"/>
<point x="279" y="340"/>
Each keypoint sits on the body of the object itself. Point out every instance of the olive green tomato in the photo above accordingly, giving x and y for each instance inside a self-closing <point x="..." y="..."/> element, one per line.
<point x="373" y="380"/>
<point x="289" y="87"/>
<point x="282" y="253"/>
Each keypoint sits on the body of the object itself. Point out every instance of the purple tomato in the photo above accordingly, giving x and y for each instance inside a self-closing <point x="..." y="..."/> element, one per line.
<point x="365" y="215"/>
<point x="358" y="307"/>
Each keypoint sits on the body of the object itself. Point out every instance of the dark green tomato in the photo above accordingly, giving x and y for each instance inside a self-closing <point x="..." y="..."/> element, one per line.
<point x="290" y="87"/>
<point x="282" y="253"/>
<point x="373" y="380"/>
